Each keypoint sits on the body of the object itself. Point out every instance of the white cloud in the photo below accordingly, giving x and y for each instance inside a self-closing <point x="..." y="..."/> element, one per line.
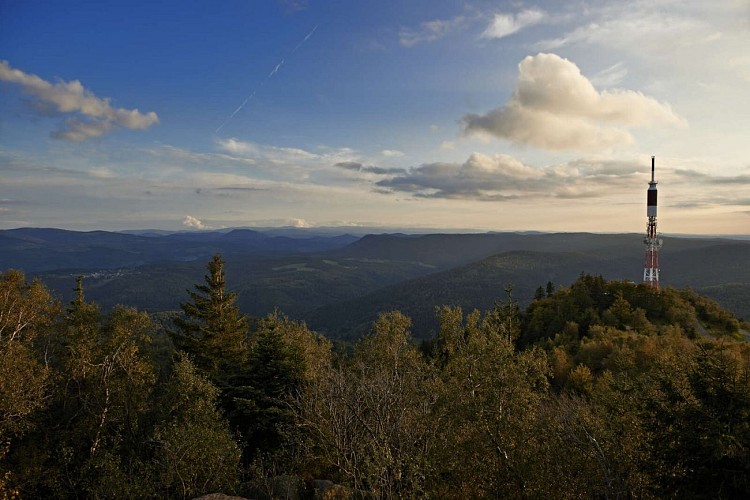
<point x="555" y="107"/>
<point x="391" y="153"/>
<point x="93" y="116"/>
<point x="193" y="223"/>
<point x="292" y="164"/>
<point x="301" y="223"/>
<point x="271" y="153"/>
<point x="501" y="177"/>
<point x="429" y="31"/>
<point x="687" y="39"/>
<point x="503" y="25"/>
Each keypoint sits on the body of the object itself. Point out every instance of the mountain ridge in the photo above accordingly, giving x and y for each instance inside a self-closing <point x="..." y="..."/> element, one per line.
<point x="335" y="276"/>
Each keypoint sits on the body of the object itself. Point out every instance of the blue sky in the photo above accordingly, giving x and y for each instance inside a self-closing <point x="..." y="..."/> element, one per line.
<point x="457" y="115"/>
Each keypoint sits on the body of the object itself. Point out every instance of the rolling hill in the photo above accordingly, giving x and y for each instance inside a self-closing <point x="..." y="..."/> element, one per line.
<point x="339" y="283"/>
<point x="37" y="250"/>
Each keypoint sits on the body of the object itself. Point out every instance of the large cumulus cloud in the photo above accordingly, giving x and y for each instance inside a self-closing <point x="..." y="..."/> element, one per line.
<point x="555" y="107"/>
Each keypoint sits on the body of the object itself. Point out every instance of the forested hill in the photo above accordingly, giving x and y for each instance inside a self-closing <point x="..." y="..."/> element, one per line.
<point x="473" y="286"/>
<point x="600" y="389"/>
<point x="449" y="250"/>
<point x="720" y="270"/>
<point x="340" y="283"/>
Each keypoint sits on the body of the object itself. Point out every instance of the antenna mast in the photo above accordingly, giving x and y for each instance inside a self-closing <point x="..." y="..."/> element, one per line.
<point x="652" y="242"/>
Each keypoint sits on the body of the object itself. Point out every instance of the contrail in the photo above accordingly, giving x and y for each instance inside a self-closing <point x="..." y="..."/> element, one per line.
<point x="305" y="39"/>
<point x="273" y="72"/>
<point x="235" y="111"/>
<point x="275" y="69"/>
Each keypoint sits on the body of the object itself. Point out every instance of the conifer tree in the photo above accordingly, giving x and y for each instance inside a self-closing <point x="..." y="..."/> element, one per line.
<point x="212" y="329"/>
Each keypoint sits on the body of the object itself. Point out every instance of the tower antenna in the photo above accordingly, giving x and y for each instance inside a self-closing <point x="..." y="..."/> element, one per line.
<point x="652" y="242"/>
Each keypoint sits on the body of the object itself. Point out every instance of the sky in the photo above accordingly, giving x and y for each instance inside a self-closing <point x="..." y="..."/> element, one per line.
<point x="440" y="115"/>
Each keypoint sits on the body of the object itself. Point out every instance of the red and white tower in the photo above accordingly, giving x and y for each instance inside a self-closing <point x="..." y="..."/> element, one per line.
<point x="652" y="242"/>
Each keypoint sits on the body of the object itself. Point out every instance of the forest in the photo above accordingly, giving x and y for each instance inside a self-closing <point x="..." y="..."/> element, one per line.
<point x="603" y="389"/>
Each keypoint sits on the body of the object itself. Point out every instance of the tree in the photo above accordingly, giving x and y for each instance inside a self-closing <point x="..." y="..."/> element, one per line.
<point x="90" y="439"/>
<point x="491" y="398"/>
<point x="701" y="420"/>
<point x="372" y="416"/>
<point x="195" y="452"/>
<point x="285" y="358"/>
<point x="212" y="330"/>
<point x="26" y="312"/>
<point x="504" y="317"/>
<point x="105" y="405"/>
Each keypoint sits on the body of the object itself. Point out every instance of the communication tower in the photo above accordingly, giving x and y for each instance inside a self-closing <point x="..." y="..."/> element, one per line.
<point x="652" y="242"/>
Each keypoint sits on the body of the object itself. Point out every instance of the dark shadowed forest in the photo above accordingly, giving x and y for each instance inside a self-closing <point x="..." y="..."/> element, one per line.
<point x="603" y="389"/>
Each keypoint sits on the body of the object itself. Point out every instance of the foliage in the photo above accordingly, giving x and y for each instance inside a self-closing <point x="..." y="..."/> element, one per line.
<point x="25" y="312"/>
<point x="490" y="402"/>
<point x="95" y="426"/>
<point x="370" y="418"/>
<point x="603" y="389"/>
<point x="188" y="466"/>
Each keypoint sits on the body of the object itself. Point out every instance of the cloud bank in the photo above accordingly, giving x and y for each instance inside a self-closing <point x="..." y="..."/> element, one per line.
<point x="555" y="107"/>
<point x="501" y="177"/>
<point x="92" y="116"/>
<point x="359" y="167"/>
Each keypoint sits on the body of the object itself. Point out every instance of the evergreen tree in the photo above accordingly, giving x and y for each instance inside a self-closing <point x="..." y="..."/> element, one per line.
<point x="212" y="329"/>
<point x="283" y="358"/>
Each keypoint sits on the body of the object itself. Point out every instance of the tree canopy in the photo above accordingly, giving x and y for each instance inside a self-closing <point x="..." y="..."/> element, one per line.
<point x="601" y="389"/>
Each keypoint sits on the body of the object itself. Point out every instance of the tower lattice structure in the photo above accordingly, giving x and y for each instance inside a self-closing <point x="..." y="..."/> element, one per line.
<point x="652" y="241"/>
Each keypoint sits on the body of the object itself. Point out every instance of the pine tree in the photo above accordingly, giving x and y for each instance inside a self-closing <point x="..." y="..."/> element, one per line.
<point x="212" y="329"/>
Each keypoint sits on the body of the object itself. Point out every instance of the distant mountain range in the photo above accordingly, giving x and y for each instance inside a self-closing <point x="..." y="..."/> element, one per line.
<point x="35" y="250"/>
<point x="339" y="283"/>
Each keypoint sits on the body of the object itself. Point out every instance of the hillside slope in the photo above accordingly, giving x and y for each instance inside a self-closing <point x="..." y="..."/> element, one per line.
<point x="719" y="271"/>
<point x="475" y="285"/>
<point x="341" y="289"/>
